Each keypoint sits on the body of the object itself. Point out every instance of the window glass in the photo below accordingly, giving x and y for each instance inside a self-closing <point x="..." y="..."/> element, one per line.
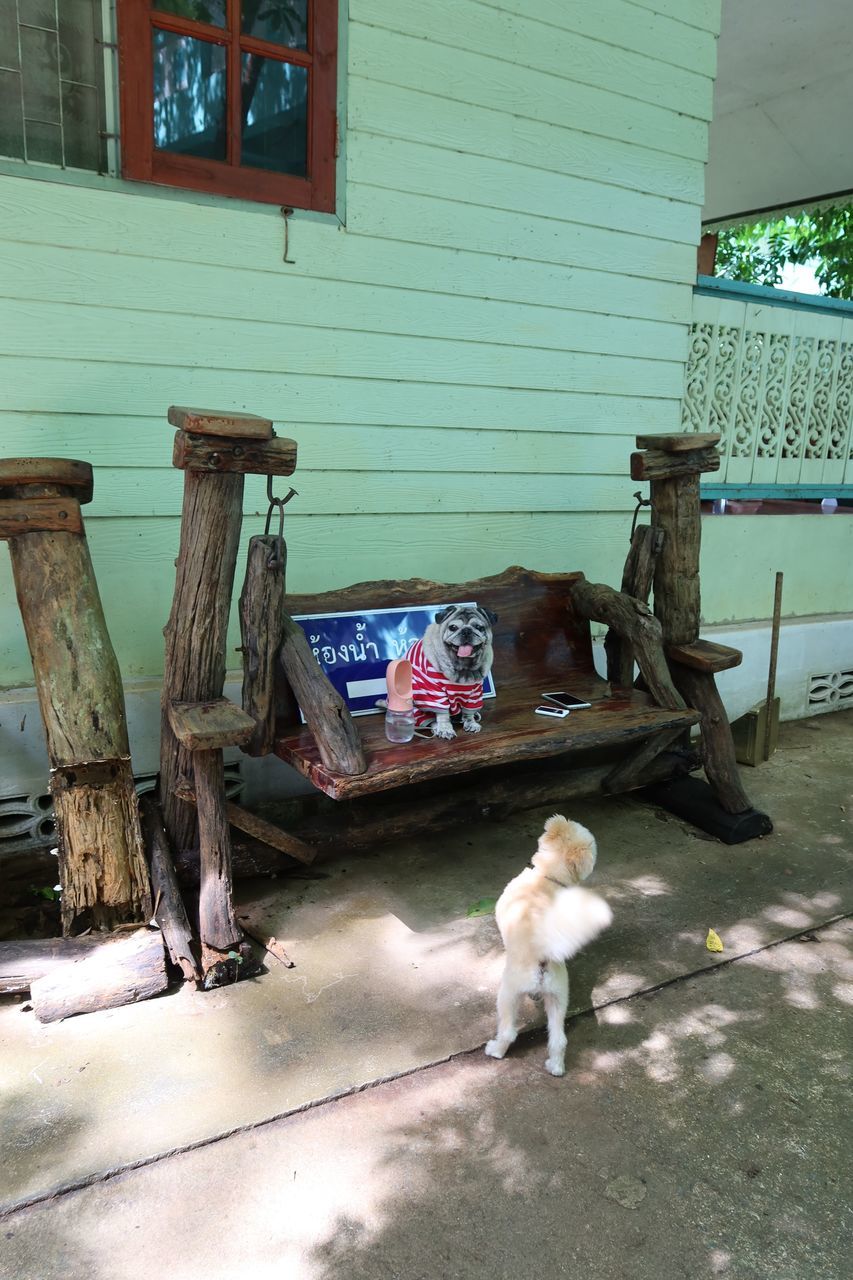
<point x="189" y="96"/>
<point x="275" y="115"/>
<point x="279" y="21"/>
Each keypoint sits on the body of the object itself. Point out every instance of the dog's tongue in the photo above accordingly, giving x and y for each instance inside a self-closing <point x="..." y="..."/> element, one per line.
<point x="465" y="650"/>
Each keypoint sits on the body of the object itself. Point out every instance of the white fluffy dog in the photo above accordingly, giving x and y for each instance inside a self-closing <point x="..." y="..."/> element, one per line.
<point x="545" y="919"/>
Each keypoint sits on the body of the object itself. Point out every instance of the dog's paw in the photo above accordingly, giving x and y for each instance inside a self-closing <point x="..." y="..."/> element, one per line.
<point x="556" y="1066"/>
<point x="442" y="730"/>
<point x="494" y="1049"/>
<point x="471" y="726"/>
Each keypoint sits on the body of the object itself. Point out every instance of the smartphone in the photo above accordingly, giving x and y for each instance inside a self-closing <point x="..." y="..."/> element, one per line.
<point x="567" y="700"/>
<point x="558" y="713"/>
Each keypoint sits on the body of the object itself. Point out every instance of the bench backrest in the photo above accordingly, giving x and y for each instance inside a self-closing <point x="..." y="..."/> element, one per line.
<point x="538" y="639"/>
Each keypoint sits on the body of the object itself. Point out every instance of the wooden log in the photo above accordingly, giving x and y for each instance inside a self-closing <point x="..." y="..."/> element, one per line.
<point x="675" y="510"/>
<point x="21" y="963"/>
<point x="276" y="457"/>
<point x="680" y="442"/>
<point x="169" y="910"/>
<point x="118" y="972"/>
<point x="39" y="515"/>
<point x="635" y="621"/>
<point x="261" y="612"/>
<point x="196" y="632"/>
<point x="101" y="859"/>
<point x="324" y="709"/>
<point x="218" y="926"/>
<point x="636" y="582"/>
<point x="212" y="422"/>
<point x="656" y="464"/>
<point x="718" y="750"/>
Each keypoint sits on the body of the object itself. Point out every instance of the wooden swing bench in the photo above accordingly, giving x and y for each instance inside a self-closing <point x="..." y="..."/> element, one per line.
<point x="542" y="642"/>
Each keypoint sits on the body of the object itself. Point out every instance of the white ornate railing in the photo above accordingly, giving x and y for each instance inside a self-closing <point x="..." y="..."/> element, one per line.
<point x="774" y="374"/>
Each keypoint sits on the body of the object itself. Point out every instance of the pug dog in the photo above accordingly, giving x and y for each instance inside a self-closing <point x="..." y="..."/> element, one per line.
<point x="448" y="668"/>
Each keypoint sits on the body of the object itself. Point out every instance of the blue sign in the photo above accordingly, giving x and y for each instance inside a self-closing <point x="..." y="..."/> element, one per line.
<point x="354" y="649"/>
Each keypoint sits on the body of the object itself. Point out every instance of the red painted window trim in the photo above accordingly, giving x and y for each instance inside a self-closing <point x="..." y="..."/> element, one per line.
<point x="142" y="162"/>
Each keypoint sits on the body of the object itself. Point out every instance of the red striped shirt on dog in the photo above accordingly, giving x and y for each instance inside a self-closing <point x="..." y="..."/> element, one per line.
<point x="432" y="691"/>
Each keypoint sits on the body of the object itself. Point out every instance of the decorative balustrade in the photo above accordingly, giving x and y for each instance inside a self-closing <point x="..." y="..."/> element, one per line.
<point x="773" y="373"/>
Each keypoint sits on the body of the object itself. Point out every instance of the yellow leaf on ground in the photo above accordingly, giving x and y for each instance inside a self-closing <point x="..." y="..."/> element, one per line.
<point x="713" y="941"/>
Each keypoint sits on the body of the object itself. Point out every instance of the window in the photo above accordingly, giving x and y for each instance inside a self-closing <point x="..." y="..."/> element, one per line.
<point x="231" y="96"/>
<point x="51" y="83"/>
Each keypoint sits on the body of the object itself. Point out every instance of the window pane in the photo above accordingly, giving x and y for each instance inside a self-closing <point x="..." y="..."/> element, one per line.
<point x="281" y="21"/>
<point x="44" y="142"/>
<point x="275" y="115"/>
<point x="40" y="64"/>
<point x="212" y="11"/>
<point x="80" y="111"/>
<point x="78" y="54"/>
<point x="189" y="96"/>
<point x="11" y="115"/>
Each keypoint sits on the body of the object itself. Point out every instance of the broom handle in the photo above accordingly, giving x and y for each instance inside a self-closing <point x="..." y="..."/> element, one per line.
<point x="774" y="653"/>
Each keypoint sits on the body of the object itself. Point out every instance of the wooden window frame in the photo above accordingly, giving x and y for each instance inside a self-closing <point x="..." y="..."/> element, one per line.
<point x="143" y="162"/>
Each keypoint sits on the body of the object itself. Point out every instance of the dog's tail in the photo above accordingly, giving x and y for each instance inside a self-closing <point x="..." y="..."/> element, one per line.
<point x="573" y="920"/>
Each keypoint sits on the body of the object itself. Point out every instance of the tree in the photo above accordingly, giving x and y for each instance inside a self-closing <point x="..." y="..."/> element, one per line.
<point x="756" y="252"/>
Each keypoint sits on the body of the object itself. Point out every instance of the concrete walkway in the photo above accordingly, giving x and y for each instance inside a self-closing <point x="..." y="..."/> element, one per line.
<point x="701" y="1130"/>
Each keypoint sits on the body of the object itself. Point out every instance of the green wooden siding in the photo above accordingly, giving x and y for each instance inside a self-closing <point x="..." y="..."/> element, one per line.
<point x="464" y="364"/>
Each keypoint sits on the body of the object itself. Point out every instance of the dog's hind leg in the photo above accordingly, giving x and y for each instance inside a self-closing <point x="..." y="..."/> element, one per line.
<point x="555" y="990"/>
<point x="509" y="999"/>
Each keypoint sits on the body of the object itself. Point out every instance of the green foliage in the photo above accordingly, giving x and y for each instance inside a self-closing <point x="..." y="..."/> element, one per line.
<point x="757" y="252"/>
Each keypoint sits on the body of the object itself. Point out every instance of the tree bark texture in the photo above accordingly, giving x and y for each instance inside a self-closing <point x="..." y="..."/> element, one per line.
<point x="217" y="923"/>
<point x="101" y="860"/>
<point x="261" y="621"/>
<point x="325" y="711"/>
<point x="197" y="628"/>
<point x="718" y="749"/>
<point x="675" y="510"/>
<point x="636" y="582"/>
<point x="169" y="910"/>
<point x="635" y="621"/>
<point x="120" y="971"/>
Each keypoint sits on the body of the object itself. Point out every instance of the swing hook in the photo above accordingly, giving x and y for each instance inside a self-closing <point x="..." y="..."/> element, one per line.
<point x="276" y="559"/>
<point x="641" y="502"/>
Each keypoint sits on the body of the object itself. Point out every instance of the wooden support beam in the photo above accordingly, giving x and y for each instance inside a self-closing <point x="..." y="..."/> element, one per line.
<point x="120" y="971"/>
<point x="253" y="825"/>
<point x="656" y="464"/>
<point x="39" y="515"/>
<point x="217" y="923"/>
<point x="212" y="422"/>
<point x="681" y="441"/>
<point x="197" y="628"/>
<point x="276" y="457"/>
<point x="628" y="772"/>
<point x="324" y="709"/>
<point x="718" y="751"/>
<point x="101" y="859"/>
<point x="675" y="510"/>
<point x="169" y="910"/>
<point x="635" y="621"/>
<point x="261" y="611"/>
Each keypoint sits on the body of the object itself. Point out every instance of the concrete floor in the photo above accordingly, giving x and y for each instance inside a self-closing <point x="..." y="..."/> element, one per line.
<point x="700" y="1130"/>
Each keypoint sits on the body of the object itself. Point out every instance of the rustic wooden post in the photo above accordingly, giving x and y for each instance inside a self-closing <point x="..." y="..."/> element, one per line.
<point x="672" y="464"/>
<point x="215" y="451"/>
<point x="101" y="859"/>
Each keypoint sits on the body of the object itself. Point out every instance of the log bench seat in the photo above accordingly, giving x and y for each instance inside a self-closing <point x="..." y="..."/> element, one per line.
<point x="540" y="643"/>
